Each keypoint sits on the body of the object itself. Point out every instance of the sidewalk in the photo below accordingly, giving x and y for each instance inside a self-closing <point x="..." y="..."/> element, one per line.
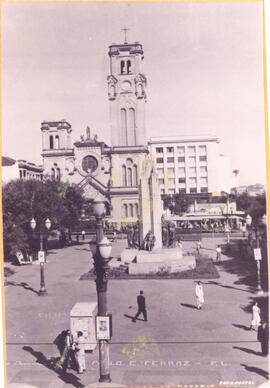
<point x="179" y="345"/>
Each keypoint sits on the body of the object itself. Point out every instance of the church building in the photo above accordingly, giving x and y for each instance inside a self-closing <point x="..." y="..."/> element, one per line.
<point x="102" y="171"/>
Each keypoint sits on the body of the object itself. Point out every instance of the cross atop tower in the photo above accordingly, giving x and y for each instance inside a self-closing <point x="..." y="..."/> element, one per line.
<point x="125" y="29"/>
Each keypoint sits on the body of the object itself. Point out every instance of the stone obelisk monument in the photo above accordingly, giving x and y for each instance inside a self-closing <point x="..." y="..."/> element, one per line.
<point x="150" y="202"/>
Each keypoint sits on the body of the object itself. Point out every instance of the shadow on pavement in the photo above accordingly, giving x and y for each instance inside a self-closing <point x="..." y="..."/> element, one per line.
<point x="222" y="285"/>
<point x="23" y="285"/>
<point x="250" y="351"/>
<point x="241" y="327"/>
<point x="130" y="317"/>
<point x="243" y="266"/>
<point x="66" y="377"/>
<point x="191" y="306"/>
<point x="254" y="369"/>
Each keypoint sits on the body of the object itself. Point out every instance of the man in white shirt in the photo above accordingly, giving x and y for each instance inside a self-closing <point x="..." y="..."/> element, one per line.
<point x="80" y="353"/>
<point x="199" y="295"/>
<point x="218" y="253"/>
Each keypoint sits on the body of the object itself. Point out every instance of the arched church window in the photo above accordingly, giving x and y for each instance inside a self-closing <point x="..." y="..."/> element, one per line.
<point x="132" y="131"/>
<point x="136" y="210"/>
<point x="124" y="175"/>
<point x="124" y="125"/>
<point x="51" y="142"/>
<point x="58" y="175"/>
<point x="131" y="210"/>
<point x="122" y="67"/>
<point x="57" y="142"/>
<point x="129" y="176"/>
<point x="135" y="175"/>
<point x="53" y="174"/>
<point x="125" y="210"/>
<point x="128" y="67"/>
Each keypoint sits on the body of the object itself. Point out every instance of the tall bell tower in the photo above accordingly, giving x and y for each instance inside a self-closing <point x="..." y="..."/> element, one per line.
<point x="126" y="94"/>
<point x="127" y="99"/>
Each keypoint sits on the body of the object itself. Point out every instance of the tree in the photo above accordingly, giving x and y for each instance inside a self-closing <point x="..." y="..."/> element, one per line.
<point x="255" y="206"/>
<point x="177" y="203"/>
<point x="73" y="202"/>
<point x="23" y="200"/>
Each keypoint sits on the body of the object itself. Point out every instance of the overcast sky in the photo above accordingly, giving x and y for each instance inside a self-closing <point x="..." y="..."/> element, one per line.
<point x="203" y="62"/>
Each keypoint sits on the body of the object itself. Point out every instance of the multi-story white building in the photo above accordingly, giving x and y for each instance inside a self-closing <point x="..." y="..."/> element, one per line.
<point x="190" y="164"/>
<point x="20" y="169"/>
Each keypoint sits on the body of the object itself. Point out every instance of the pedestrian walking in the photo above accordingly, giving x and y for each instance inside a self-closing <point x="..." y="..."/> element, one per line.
<point x="141" y="307"/>
<point x="60" y="341"/>
<point x="218" y="250"/>
<point x="263" y="337"/>
<point x="179" y="244"/>
<point x="256" y="319"/>
<point x="64" y="361"/>
<point x="199" y="295"/>
<point x="198" y="247"/>
<point x="80" y="352"/>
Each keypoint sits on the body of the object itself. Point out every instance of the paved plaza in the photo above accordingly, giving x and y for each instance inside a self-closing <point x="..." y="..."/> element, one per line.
<point x="179" y="345"/>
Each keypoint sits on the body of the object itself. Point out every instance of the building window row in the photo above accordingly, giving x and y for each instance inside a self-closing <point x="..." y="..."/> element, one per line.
<point x="191" y="150"/>
<point x="193" y="190"/>
<point x="130" y="210"/>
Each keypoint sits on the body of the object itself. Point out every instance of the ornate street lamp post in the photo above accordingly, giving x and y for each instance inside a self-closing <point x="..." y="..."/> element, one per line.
<point x="41" y="253"/>
<point x="101" y="259"/>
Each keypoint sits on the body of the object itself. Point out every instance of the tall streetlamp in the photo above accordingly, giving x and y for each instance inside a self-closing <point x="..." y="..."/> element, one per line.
<point x="257" y="251"/>
<point x="41" y="253"/>
<point x="101" y="259"/>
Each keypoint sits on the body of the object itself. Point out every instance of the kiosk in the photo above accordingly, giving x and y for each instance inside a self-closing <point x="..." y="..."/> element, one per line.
<point x="82" y="318"/>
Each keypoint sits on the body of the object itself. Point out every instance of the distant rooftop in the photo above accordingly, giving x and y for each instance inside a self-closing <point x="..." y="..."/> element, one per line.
<point x="51" y="124"/>
<point x="6" y="161"/>
<point x="182" y="139"/>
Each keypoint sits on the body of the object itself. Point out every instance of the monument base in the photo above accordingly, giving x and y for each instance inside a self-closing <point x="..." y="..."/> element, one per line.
<point x="128" y="255"/>
<point x="159" y="255"/>
<point x="165" y="267"/>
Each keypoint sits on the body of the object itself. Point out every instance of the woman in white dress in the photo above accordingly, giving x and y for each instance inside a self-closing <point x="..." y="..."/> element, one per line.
<point x="256" y="319"/>
<point x="199" y="295"/>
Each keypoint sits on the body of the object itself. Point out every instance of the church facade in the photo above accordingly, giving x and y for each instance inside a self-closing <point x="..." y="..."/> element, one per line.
<point x="107" y="172"/>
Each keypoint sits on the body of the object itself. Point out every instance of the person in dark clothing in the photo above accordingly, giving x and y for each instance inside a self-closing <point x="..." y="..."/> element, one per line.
<point x="263" y="337"/>
<point x="60" y="341"/>
<point x="141" y="307"/>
